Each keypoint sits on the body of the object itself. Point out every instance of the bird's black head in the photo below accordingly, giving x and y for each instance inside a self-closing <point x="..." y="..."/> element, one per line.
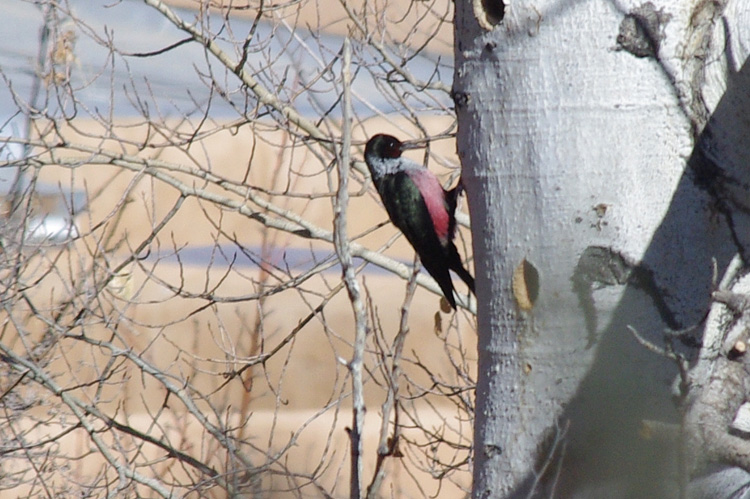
<point x="383" y="146"/>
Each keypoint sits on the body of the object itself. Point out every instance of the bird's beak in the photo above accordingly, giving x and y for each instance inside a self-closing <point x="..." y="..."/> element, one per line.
<point x="414" y="144"/>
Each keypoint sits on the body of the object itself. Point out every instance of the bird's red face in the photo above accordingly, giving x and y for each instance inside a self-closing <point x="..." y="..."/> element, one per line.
<point x="391" y="147"/>
<point x="388" y="147"/>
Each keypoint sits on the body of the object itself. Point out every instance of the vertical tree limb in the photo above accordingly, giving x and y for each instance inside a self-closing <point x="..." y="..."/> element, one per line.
<point x="343" y="251"/>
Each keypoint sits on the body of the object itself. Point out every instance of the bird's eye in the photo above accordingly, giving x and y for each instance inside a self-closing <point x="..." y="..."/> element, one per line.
<point x="394" y="149"/>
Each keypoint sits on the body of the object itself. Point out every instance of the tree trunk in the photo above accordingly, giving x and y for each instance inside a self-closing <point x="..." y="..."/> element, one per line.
<point x="600" y="218"/>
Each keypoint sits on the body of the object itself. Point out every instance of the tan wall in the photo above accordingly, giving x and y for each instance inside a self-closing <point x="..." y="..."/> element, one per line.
<point x="406" y="21"/>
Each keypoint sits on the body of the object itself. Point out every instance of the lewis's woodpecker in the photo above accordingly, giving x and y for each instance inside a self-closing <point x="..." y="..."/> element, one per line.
<point x="419" y="206"/>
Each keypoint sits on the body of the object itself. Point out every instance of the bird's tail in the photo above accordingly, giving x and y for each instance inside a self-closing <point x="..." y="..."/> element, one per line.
<point x="456" y="265"/>
<point x="443" y="278"/>
<point x="466" y="277"/>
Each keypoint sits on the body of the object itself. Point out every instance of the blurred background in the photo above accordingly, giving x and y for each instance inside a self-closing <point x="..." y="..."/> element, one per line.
<point x="174" y="321"/>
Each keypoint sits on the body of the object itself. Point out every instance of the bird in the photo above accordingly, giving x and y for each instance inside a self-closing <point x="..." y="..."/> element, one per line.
<point x="420" y="207"/>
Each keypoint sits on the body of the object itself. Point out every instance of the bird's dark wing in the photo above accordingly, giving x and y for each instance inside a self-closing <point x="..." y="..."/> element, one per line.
<point x="408" y="211"/>
<point x="451" y="200"/>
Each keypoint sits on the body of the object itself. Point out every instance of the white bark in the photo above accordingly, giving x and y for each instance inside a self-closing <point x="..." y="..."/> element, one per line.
<point x="578" y="157"/>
